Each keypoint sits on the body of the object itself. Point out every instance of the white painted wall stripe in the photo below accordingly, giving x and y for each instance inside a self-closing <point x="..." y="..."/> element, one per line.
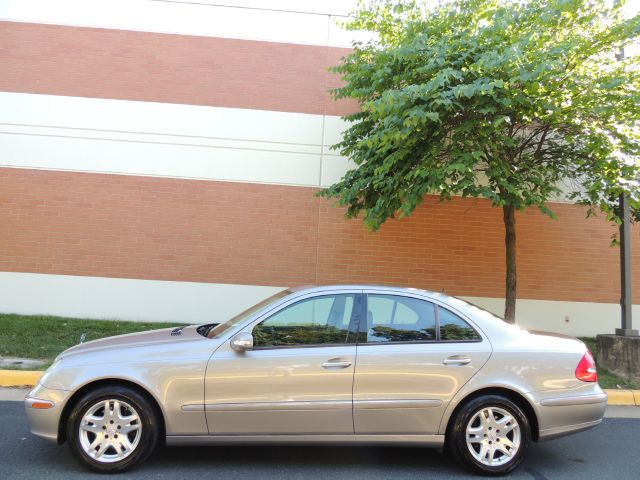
<point x="583" y="319"/>
<point x="126" y="299"/>
<point x="263" y="21"/>
<point x="154" y="300"/>
<point x="324" y="7"/>
<point x="170" y="140"/>
<point x="137" y="117"/>
<point x="127" y="137"/>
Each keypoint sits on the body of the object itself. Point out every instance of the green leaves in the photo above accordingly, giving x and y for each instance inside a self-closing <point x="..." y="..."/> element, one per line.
<point x="490" y="98"/>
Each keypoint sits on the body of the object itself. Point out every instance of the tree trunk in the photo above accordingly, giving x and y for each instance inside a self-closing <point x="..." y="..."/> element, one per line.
<point x="509" y="213"/>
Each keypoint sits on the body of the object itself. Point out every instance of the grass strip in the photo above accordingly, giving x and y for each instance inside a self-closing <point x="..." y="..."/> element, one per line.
<point x="44" y="337"/>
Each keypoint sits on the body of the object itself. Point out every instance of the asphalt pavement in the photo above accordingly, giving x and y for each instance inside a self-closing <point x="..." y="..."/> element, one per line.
<point x="610" y="451"/>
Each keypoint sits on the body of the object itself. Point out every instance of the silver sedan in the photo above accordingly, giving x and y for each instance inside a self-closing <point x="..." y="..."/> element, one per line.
<point x="336" y="364"/>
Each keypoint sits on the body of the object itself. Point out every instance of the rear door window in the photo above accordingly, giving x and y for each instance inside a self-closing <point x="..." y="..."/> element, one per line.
<point x="394" y="318"/>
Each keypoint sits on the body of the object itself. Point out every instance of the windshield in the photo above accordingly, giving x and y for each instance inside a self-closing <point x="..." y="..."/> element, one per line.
<point x="218" y="329"/>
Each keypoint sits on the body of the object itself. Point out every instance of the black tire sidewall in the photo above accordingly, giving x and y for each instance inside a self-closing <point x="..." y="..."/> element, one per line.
<point x="458" y="441"/>
<point x="149" y="435"/>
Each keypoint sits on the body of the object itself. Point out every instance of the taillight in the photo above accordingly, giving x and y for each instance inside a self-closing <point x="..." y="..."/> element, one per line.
<point x="586" y="370"/>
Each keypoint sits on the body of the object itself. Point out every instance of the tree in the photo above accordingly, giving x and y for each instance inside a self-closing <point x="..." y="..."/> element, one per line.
<point x="513" y="101"/>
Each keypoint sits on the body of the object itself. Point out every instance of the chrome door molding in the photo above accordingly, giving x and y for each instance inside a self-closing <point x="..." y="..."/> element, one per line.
<point x="395" y="403"/>
<point x="574" y="400"/>
<point x="269" y="406"/>
<point x="291" y="347"/>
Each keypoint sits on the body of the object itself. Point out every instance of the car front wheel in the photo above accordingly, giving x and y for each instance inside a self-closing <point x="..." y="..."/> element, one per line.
<point x="490" y="435"/>
<point x="112" y="428"/>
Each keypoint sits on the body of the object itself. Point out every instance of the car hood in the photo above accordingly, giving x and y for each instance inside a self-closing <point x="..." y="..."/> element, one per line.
<point x="151" y="337"/>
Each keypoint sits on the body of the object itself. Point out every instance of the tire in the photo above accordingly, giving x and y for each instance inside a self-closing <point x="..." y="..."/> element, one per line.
<point x="112" y="428"/>
<point x="490" y="450"/>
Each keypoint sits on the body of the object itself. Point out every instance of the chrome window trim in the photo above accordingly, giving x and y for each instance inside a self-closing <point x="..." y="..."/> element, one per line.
<point x="419" y="342"/>
<point x="438" y="303"/>
<point x="301" y="295"/>
<point x="315" y="345"/>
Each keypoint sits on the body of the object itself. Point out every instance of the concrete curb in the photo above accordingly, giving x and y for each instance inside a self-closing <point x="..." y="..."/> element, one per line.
<point x="29" y="378"/>
<point x="19" y="378"/>
<point x="623" y="397"/>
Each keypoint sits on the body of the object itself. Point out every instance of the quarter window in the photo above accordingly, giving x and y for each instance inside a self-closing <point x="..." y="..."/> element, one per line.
<point x="453" y="328"/>
<point x="393" y="318"/>
<point x="314" y="321"/>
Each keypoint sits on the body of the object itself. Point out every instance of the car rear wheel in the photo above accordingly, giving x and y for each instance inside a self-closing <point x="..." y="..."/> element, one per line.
<point x="111" y="429"/>
<point x="490" y="435"/>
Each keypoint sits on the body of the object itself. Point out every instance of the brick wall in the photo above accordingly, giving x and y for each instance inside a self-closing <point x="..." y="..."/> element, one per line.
<point x="171" y="229"/>
<point x="207" y="231"/>
<point x="129" y="65"/>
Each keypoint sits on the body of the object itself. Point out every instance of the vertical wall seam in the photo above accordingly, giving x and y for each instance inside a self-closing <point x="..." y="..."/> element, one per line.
<point x="324" y="116"/>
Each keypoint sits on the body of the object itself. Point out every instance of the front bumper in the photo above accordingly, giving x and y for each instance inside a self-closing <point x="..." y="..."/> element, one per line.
<point x="563" y="415"/>
<point x="44" y="408"/>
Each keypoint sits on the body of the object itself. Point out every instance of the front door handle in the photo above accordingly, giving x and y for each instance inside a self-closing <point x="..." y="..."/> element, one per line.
<point x="336" y="363"/>
<point x="457" y="360"/>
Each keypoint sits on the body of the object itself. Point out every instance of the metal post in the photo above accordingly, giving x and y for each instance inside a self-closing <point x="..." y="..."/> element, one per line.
<point x="626" y="303"/>
<point x="625" y="270"/>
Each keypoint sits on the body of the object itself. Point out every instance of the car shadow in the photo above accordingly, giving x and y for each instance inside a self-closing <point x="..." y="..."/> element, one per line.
<point x="22" y="453"/>
<point x="242" y="462"/>
<point x="308" y="461"/>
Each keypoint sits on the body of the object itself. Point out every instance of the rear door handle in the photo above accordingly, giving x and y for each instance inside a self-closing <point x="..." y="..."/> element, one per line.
<point x="457" y="360"/>
<point x="336" y="363"/>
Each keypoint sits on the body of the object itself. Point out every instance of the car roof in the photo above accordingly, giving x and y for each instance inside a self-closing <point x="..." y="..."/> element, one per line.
<point x="487" y="322"/>
<point x="386" y="288"/>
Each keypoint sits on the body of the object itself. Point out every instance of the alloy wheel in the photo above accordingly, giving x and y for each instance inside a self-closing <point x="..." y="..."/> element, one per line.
<point x="110" y="431"/>
<point x="493" y="436"/>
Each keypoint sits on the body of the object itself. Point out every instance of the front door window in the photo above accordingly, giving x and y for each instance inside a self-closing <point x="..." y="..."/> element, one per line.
<point x="320" y="320"/>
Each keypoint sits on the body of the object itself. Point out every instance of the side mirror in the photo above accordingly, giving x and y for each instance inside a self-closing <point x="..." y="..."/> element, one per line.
<point x="242" y="342"/>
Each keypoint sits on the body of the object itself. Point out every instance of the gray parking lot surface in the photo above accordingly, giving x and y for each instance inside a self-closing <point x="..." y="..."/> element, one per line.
<point x="610" y="451"/>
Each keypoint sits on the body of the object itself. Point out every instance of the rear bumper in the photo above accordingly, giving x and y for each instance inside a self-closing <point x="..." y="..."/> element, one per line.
<point x="44" y="408"/>
<point x="564" y="415"/>
<point x="552" y="433"/>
